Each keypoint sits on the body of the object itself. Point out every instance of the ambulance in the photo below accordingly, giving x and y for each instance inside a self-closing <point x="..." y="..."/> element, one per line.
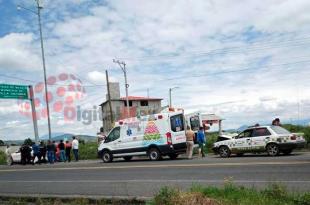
<point x="155" y="136"/>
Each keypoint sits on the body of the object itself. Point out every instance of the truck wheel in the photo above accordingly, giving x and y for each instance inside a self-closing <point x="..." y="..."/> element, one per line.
<point x="154" y="154"/>
<point x="127" y="158"/>
<point x="287" y="152"/>
<point x="173" y="156"/>
<point x="107" y="157"/>
<point x="224" y="151"/>
<point x="272" y="149"/>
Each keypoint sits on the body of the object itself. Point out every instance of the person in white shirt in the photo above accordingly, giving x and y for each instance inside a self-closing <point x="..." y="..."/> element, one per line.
<point x="75" y="148"/>
<point x="8" y="153"/>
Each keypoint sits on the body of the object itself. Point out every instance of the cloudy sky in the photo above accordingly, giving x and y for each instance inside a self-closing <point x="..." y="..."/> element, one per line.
<point x="247" y="61"/>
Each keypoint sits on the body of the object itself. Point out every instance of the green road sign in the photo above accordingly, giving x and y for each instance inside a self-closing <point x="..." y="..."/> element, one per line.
<point x="13" y="91"/>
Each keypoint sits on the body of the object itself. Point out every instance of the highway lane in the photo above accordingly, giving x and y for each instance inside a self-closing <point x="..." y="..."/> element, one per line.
<point x="143" y="178"/>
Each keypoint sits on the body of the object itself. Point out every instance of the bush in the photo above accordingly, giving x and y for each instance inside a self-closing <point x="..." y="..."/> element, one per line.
<point x="2" y="158"/>
<point x="173" y="196"/>
<point x="299" y="129"/>
<point x="88" y="150"/>
<point x="275" y="194"/>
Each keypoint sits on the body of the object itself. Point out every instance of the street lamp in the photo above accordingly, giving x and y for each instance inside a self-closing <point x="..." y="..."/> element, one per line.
<point x="38" y="13"/>
<point x="170" y="90"/>
<point x="122" y="65"/>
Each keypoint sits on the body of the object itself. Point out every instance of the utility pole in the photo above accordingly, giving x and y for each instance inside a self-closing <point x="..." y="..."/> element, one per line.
<point x="38" y="13"/>
<point x="39" y="7"/>
<point x="170" y="103"/>
<point x="34" y="115"/>
<point x="170" y="91"/>
<point x="122" y="65"/>
<point x="109" y="97"/>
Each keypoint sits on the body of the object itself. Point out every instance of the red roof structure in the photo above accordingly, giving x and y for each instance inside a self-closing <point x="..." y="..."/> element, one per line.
<point x="138" y="98"/>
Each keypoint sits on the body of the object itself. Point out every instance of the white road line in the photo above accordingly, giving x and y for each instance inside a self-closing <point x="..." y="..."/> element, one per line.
<point x="158" y="166"/>
<point x="152" y="180"/>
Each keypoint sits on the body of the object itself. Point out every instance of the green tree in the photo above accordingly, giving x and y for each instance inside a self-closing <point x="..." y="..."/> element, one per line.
<point x="1" y="143"/>
<point x="28" y="141"/>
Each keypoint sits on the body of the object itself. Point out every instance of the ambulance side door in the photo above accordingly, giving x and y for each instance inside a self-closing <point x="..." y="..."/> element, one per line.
<point x="177" y="126"/>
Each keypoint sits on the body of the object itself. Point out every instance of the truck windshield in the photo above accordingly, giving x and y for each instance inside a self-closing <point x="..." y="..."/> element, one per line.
<point x="279" y="130"/>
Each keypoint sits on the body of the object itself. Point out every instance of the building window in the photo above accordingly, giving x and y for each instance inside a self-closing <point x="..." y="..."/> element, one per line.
<point x="130" y="103"/>
<point x="144" y="103"/>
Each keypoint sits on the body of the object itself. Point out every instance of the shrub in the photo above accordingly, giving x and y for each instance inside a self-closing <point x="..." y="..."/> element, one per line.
<point x="173" y="196"/>
<point x="2" y="158"/>
<point x="299" y="128"/>
<point x="88" y="150"/>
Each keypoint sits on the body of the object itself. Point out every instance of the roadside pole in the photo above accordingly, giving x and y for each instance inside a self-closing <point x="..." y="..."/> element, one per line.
<point x="170" y="102"/>
<point x="34" y="115"/>
<point x="122" y="65"/>
<point x="109" y="99"/>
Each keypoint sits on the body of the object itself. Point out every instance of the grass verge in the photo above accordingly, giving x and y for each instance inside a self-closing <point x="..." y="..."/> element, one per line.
<point x="230" y="194"/>
<point x="2" y="158"/>
<point x="66" y="201"/>
<point x="88" y="150"/>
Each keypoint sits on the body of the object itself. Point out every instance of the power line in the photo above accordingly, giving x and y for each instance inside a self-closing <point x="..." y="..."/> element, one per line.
<point x="184" y="76"/>
<point x="226" y="50"/>
<point x="230" y="71"/>
<point x="253" y="47"/>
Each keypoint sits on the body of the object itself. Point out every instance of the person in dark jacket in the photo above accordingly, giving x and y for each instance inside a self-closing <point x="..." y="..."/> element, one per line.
<point x="36" y="152"/>
<point x="201" y="139"/>
<point x="68" y="151"/>
<point x="61" y="147"/>
<point x="25" y="152"/>
<point x="50" y="152"/>
<point x="42" y="150"/>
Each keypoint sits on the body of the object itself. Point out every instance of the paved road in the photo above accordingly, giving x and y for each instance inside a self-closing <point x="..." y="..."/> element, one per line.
<point x="142" y="178"/>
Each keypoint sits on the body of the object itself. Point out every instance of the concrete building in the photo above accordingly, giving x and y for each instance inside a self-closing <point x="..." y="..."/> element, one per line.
<point x="138" y="106"/>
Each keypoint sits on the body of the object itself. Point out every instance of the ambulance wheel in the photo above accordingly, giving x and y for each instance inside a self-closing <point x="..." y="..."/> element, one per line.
<point x="173" y="156"/>
<point x="107" y="157"/>
<point x="127" y="158"/>
<point x="154" y="154"/>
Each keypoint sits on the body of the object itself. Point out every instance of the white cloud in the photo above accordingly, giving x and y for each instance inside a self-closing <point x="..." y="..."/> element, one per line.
<point x="99" y="77"/>
<point x="17" y="53"/>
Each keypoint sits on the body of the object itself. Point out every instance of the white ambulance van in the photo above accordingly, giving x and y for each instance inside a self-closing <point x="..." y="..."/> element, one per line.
<point x="155" y="136"/>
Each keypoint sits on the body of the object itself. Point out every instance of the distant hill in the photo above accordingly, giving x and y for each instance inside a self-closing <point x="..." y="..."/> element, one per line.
<point x="57" y="137"/>
<point x="68" y="136"/>
<point x="241" y="128"/>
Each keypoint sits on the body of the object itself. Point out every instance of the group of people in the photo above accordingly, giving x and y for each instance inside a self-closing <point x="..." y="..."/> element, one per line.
<point x="53" y="151"/>
<point x="190" y="139"/>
